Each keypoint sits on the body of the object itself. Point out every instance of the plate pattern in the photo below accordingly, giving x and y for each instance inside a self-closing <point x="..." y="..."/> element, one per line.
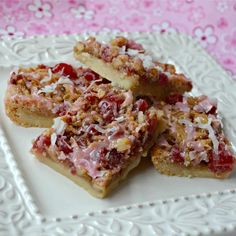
<point x="192" y="215"/>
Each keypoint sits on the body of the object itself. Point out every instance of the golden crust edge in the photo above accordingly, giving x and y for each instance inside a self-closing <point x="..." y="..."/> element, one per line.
<point x="107" y="71"/>
<point x="21" y="115"/>
<point x="166" y="167"/>
<point x="83" y="180"/>
<point x="177" y="85"/>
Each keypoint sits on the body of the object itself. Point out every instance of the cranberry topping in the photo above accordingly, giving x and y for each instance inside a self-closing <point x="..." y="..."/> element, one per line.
<point x="82" y="141"/>
<point x="141" y="105"/>
<point x="212" y="111"/>
<point x="174" y="98"/>
<point x="133" y="45"/>
<point x="175" y="155"/>
<point x="114" y="159"/>
<point x="41" y="142"/>
<point x="117" y="134"/>
<point x="91" y="98"/>
<point x="92" y="130"/>
<point x="129" y="70"/>
<point x="47" y="141"/>
<point x="42" y="66"/>
<point x="152" y="122"/>
<point x="163" y="79"/>
<point x="65" y="69"/>
<point x="224" y="162"/>
<point x="108" y="110"/>
<point x="73" y="170"/>
<point x="63" y="145"/>
<point x="14" y="78"/>
<point x="61" y="109"/>
<point x="90" y="75"/>
<point x="118" y="99"/>
<point x="105" y="54"/>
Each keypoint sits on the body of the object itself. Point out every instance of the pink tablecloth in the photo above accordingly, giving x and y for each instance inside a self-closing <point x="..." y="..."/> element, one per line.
<point x="211" y="22"/>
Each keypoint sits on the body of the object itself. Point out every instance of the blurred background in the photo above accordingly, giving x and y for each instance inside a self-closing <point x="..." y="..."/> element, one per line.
<point x="211" y="22"/>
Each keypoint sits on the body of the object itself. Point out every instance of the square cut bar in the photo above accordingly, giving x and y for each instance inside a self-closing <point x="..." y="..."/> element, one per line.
<point x="38" y="94"/>
<point x="194" y="143"/>
<point x="100" y="139"/>
<point x="127" y="65"/>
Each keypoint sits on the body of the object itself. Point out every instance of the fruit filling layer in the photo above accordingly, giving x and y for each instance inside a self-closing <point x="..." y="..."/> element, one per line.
<point x="51" y="88"/>
<point x="105" y="130"/>
<point x="130" y="57"/>
<point x="195" y="134"/>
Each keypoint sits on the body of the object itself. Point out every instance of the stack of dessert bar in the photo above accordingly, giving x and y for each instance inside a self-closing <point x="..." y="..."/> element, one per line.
<point x="122" y="106"/>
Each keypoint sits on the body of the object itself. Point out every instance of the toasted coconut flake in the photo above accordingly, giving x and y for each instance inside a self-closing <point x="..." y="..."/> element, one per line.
<point x="51" y="88"/>
<point x="53" y="139"/>
<point x="47" y="78"/>
<point x="128" y="98"/>
<point x="212" y="135"/>
<point x="147" y="60"/>
<point x="123" y="144"/>
<point x="59" y="126"/>
<point x="207" y="126"/>
<point x="141" y="117"/>
<point x="133" y="52"/>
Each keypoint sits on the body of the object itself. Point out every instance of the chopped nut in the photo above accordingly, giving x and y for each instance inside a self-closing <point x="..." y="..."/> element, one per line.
<point x="101" y="93"/>
<point x="140" y="117"/>
<point x="119" y="41"/>
<point x="123" y="144"/>
<point x="80" y="47"/>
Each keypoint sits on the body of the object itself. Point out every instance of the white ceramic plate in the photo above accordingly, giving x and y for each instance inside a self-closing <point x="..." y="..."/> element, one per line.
<point x="35" y="200"/>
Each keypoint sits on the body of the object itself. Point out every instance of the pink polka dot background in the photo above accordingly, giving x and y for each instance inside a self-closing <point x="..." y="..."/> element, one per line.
<point x="211" y="22"/>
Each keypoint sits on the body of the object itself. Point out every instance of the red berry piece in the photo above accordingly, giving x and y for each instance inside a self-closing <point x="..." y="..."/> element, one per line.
<point x="212" y="111"/>
<point x="62" y="109"/>
<point x="73" y="170"/>
<point x="47" y="141"/>
<point x="90" y="75"/>
<point x="113" y="160"/>
<point x="14" y="78"/>
<point x="223" y="162"/>
<point x="129" y="70"/>
<point x="42" y="66"/>
<point x="133" y="45"/>
<point x="108" y="110"/>
<point x="106" y="54"/>
<point x="118" y="99"/>
<point x="141" y="105"/>
<point x="174" y="98"/>
<point x="163" y="79"/>
<point x="92" y="99"/>
<point x="175" y="155"/>
<point x="65" y="69"/>
<point x="82" y="142"/>
<point x="152" y="123"/>
<point x="63" y="145"/>
<point x="41" y="142"/>
<point x="92" y="130"/>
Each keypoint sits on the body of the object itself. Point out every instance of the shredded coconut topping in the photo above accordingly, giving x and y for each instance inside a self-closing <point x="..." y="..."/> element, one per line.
<point x="207" y="126"/>
<point x="212" y="135"/>
<point x="133" y="52"/>
<point x="59" y="125"/>
<point x="147" y="60"/>
<point x="47" y="78"/>
<point x="92" y="84"/>
<point x="51" y="88"/>
<point x="204" y="106"/>
<point x="120" y="118"/>
<point x="128" y="98"/>
<point x="53" y="139"/>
